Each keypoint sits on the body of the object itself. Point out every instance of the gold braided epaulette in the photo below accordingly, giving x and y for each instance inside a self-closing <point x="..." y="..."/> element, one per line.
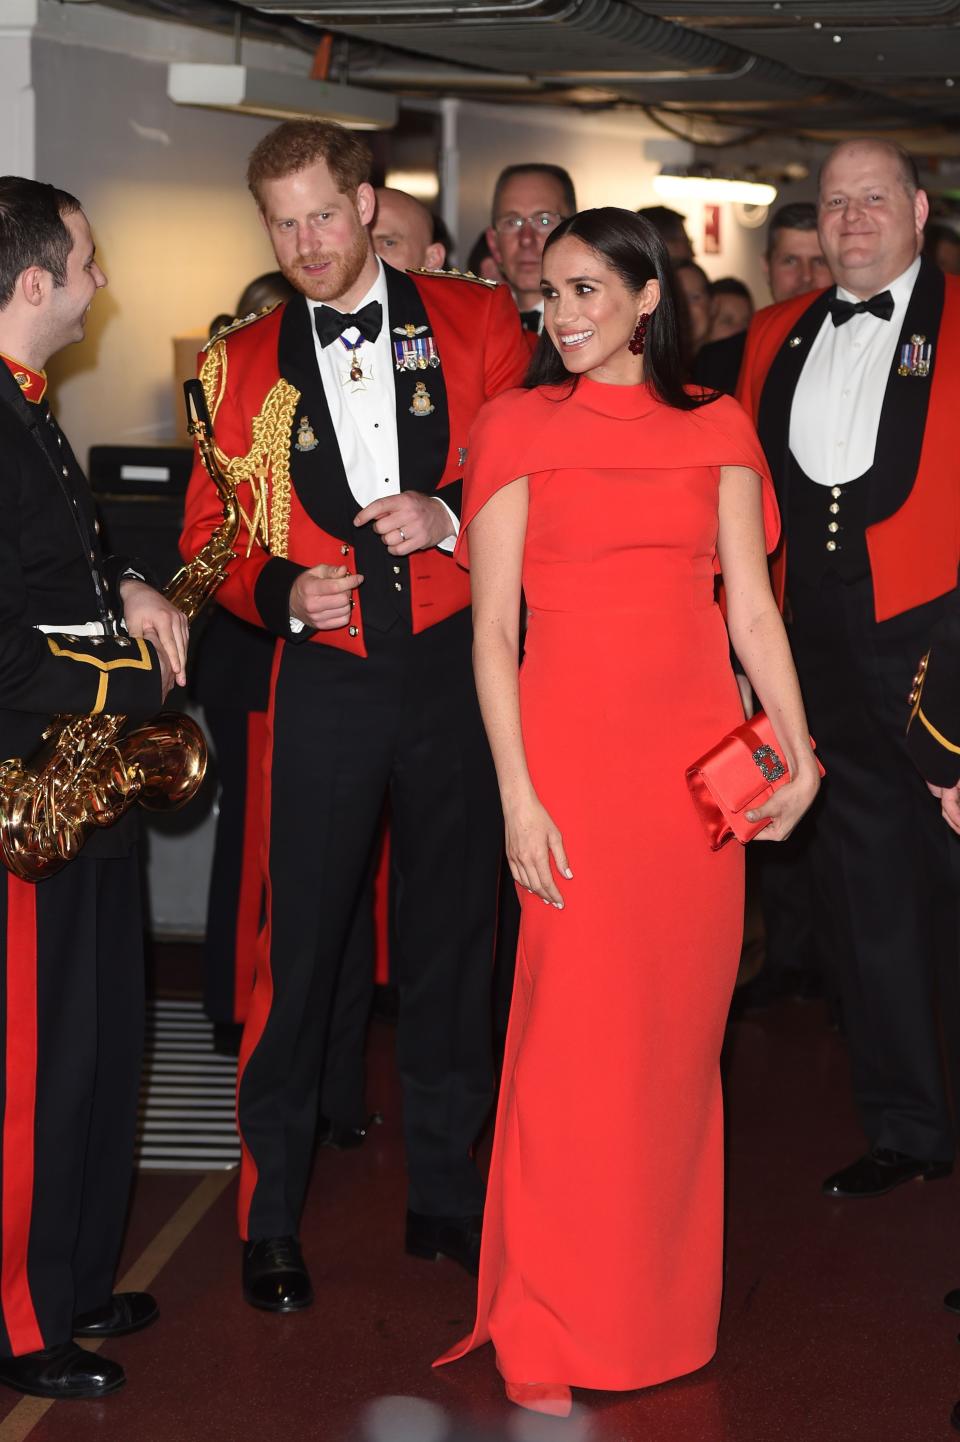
<point x="242" y="321"/>
<point x="454" y="274"/>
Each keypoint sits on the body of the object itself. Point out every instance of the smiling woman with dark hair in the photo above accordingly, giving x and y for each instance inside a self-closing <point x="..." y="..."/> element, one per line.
<point x="611" y="492"/>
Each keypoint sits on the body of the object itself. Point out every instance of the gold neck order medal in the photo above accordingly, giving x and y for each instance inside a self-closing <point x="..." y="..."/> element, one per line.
<point x="356" y="377"/>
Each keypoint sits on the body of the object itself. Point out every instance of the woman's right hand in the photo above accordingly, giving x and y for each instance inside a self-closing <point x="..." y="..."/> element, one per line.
<point x="787" y="806"/>
<point x="532" y="837"/>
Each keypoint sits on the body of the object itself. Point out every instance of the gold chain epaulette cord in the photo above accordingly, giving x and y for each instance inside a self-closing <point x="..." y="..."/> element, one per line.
<point x="454" y="274"/>
<point x="266" y="466"/>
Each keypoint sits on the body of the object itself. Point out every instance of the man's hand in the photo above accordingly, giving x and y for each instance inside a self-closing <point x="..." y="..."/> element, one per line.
<point x="166" y="675"/>
<point x="408" y="522"/>
<point x="949" y="798"/>
<point x="323" y="597"/>
<point x="148" y="614"/>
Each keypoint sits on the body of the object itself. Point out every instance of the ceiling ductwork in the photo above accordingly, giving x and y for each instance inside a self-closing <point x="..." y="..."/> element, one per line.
<point x="804" y="66"/>
<point x="797" y="64"/>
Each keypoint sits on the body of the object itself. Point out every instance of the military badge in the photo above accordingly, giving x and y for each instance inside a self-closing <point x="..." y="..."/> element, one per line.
<point x="421" y="404"/>
<point x="306" y="440"/>
<point x="916" y="356"/>
<point x="416" y="350"/>
<point x="461" y="455"/>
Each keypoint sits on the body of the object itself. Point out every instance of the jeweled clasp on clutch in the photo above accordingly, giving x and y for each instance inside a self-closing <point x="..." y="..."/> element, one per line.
<point x="769" y="763"/>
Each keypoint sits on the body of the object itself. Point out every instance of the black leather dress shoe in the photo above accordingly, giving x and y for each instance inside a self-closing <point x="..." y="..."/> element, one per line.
<point x="340" y="1137"/>
<point x="125" y="1312"/>
<point x="274" y="1276"/>
<point x="880" y="1171"/>
<point x="61" y="1373"/>
<point x="455" y="1237"/>
<point x="952" y="1301"/>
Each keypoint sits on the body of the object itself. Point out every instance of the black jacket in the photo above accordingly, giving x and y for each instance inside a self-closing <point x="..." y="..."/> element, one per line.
<point x="52" y="574"/>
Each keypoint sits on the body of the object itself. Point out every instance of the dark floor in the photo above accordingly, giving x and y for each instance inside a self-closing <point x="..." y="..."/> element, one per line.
<point x="832" y="1325"/>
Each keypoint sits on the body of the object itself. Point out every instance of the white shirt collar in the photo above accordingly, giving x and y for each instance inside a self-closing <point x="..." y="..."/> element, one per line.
<point x="901" y="289"/>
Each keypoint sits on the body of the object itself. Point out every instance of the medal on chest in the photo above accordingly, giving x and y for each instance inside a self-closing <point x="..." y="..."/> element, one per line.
<point x="355" y="377"/>
<point x="416" y="350"/>
<point x="915" y="357"/>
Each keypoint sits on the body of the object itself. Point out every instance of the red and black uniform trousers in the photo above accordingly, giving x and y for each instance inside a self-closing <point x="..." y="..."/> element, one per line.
<point x="884" y="863"/>
<point x="71" y="946"/>
<point x="348" y="734"/>
<point x="231" y="680"/>
<point x="71" y="1038"/>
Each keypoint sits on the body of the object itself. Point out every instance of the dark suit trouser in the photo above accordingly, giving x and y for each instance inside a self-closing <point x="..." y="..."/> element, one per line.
<point x="235" y="901"/>
<point x="72" y="1039"/>
<point x="235" y="914"/>
<point x="884" y="860"/>
<point x="348" y="731"/>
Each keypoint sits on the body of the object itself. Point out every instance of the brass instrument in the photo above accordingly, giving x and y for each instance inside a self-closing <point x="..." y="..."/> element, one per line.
<point x="90" y="769"/>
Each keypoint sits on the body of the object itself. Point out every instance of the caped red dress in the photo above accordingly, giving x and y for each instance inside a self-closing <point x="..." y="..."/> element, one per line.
<point x="602" y="1238"/>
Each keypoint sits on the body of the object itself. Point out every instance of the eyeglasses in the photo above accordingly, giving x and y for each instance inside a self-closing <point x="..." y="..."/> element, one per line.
<point x="541" y="223"/>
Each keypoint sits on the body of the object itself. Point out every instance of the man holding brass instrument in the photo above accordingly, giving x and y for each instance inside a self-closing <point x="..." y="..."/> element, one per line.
<point x="71" y="963"/>
<point x="343" y="417"/>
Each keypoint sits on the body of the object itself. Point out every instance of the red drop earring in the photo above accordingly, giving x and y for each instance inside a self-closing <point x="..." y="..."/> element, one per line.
<point x="638" y="340"/>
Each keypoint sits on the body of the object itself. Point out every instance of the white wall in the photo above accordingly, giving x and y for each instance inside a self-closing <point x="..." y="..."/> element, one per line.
<point x="176" y="231"/>
<point x="612" y="158"/>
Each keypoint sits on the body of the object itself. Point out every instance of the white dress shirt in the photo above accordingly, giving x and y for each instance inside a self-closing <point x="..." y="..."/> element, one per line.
<point x="839" y="396"/>
<point x="364" y="413"/>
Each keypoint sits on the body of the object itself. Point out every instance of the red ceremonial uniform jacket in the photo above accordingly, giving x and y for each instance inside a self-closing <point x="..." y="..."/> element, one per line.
<point x="262" y="381"/>
<point x="913" y="531"/>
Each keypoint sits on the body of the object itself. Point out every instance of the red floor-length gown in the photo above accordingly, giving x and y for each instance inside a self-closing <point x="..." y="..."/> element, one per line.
<point x="602" y="1239"/>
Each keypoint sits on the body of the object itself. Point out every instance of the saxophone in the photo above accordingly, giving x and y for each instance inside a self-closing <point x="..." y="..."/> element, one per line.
<point x="89" y="770"/>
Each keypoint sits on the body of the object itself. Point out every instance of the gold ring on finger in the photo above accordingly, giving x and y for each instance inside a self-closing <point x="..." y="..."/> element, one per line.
<point x="402" y="536"/>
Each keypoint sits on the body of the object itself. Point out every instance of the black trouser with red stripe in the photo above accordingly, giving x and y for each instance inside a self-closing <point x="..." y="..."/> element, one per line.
<point x="348" y="731"/>
<point x="71" y="1032"/>
<point x="235" y="903"/>
<point x="235" y="915"/>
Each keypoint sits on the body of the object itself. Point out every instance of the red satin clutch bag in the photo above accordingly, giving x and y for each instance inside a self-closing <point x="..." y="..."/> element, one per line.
<point x="742" y="771"/>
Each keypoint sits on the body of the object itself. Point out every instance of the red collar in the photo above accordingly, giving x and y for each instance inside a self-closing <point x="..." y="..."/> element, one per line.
<point x="32" y="383"/>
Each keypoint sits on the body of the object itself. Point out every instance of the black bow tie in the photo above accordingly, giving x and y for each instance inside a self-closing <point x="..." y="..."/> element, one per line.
<point x="530" y="320"/>
<point x="879" y="305"/>
<point x="331" y="323"/>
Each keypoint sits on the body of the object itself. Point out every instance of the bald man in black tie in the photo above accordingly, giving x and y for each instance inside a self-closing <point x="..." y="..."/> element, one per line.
<point x="851" y="389"/>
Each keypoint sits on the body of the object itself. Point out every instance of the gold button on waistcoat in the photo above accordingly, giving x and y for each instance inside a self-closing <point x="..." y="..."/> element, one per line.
<point x="831" y="545"/>
<point x="353" y="631"/>
<point x="834" y="509"/>
<point x="833" y="527"/>
<point x="344" y="550"/>
<point x="835" y="492"/>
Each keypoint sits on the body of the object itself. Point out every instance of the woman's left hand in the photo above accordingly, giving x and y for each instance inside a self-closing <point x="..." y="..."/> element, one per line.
<point x="787" y="806"/>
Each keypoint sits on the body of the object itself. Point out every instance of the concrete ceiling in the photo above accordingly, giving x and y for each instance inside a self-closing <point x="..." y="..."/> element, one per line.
<point x="759" y="65"/>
